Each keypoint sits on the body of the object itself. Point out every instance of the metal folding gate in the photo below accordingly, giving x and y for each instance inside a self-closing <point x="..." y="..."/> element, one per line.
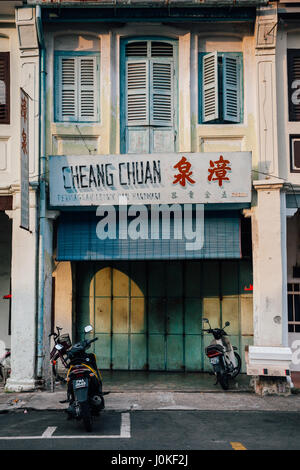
<point x="148" y="314"/>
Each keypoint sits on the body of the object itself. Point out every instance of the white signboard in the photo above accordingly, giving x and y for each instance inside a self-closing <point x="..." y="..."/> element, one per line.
<point x="168" y="178"/>
<point x="24" y="160"/>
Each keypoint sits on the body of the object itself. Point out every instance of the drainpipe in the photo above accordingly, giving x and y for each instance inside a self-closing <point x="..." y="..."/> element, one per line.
<point x="42" y="202"/>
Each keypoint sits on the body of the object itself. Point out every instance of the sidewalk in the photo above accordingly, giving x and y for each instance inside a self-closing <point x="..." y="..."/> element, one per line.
<point x="165" y="393"/>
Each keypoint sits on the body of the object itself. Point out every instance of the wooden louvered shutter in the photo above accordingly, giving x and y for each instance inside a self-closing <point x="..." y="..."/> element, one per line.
<point x="210" y="107"/>
<point x="137" y="103"/>
<point x="294" y="84"/>
<point x="231" y="89"/>
<point x="161" y="92"/>
<point x="4" y="88"/>
<point x="68" y="84"/>
<point x="87" y="88"/>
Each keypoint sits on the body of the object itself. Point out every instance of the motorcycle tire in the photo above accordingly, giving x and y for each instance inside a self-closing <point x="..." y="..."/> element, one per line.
<point x="86" y="416"/>
<point x="223" y="379"/>
<point x="237" y="370"/>
<point x="56" y="376"/>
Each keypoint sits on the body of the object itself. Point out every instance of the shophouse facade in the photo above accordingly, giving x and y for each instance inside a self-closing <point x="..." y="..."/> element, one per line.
<point x="141" y="108"/>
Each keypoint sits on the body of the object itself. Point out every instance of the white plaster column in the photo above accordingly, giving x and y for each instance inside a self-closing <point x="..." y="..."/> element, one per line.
<point x="23" y="306"/>
<point x="25" y="243"/>
<point x="265" y="55"/>
<point x="47" y="294"/>
<point x="269" y="264"/>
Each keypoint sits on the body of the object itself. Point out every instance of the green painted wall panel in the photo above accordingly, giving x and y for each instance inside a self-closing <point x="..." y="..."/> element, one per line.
<point x="193" y="352"/>
<point x="193" y="279"/>
<point x="138" y="352"/>
<point x="156" y="282"/>
<point x="120" y="351"/>
<point x="157" y="352"/>
<point x="102" y="350"/>
<point x="193" y="315"/>
<point x="174" y="279"/>
<point x="174" y="315"/>
<point x="154" y="316"/>
<point x="175" y="359"/>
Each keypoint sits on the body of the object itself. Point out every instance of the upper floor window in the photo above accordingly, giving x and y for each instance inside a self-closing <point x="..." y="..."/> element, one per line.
<point x="294" y="307"/>
<point x="295" y="153"/>
<point x="76" y="86"/>
<point x="293" y="56"/>
<point x="220" y="88"/>
<point x="4" y="88"/>
<point x="148" y="96"/>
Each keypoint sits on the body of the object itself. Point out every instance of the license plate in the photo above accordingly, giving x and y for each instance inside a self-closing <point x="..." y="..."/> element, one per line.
<point x="79" y="383"/>
<point x="214" y="360"/>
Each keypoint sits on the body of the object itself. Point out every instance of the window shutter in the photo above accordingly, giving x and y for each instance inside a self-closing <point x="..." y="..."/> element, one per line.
<point x="161" y="49"/>
<point x="87" y="88"/>
<point x="294" y="84"/>
<point x="137" y="104"/>
<point x="68" y="86"/>
<point x="231" y="89"/>
<point x="210" y="108"/>
<point x="161" y="93"/>
<point x="4" y="88"/>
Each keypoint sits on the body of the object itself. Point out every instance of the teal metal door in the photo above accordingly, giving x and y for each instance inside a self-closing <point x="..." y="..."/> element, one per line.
<point x="147" y="315"/>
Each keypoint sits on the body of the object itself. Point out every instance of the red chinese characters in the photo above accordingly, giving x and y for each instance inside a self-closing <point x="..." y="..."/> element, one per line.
<point x="219" y="169"/>
<point x="24" y="109"/>
<point x="183" y="167"/>
<point x="24" y="142"/>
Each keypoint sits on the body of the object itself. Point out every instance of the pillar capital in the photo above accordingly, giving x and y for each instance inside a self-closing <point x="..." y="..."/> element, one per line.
<point x="268" y="184"/>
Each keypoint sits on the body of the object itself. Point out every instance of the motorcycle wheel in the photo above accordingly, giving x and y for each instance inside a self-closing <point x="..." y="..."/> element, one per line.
<point x="56" y="376"/>
<point x="237" y="370"/>
<point x="86" y="416"/>
<point x="223" y="380"/>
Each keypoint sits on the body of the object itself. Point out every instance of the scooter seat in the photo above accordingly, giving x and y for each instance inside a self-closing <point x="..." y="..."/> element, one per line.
<point x="214" y="347"/>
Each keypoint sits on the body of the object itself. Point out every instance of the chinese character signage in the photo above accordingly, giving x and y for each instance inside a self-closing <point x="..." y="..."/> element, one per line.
<point x="24" y="161"/>
<point x="150" y="179"/>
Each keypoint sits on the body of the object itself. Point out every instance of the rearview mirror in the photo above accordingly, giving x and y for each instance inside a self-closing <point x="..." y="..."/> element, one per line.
<point x="205" y="320"/>
<point x="88" y="328"/>
<point x="227" y="323"/>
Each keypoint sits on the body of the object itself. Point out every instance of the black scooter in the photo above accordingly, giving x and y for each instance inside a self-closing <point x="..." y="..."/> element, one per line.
<point x="222" y="355"/>
<point x="84" y="383"/>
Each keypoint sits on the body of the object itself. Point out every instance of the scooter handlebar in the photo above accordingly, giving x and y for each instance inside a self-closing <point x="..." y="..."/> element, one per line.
<point x="93" y="340"/>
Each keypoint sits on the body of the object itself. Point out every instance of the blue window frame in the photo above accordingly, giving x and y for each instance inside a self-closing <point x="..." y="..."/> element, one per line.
<point x="220" y="88"/>
<point x="76" y="86"/>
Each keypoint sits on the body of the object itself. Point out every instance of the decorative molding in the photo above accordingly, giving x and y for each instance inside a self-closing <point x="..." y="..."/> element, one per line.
<point x="270" y="184"/>
<point x="266" y="27"/>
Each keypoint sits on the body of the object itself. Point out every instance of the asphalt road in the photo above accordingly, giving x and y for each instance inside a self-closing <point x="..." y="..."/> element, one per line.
<point x="152" y="430"/>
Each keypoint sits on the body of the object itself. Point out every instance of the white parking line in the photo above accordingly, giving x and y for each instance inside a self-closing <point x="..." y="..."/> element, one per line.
<point x="125" y="425"/>
<point x="48" y="433"/>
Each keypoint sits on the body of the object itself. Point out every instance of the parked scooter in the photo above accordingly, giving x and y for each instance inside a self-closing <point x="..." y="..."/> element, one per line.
<point x="222" y="355"/>
<point x="64" y="342"/>
<point x="84" y="383"/>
